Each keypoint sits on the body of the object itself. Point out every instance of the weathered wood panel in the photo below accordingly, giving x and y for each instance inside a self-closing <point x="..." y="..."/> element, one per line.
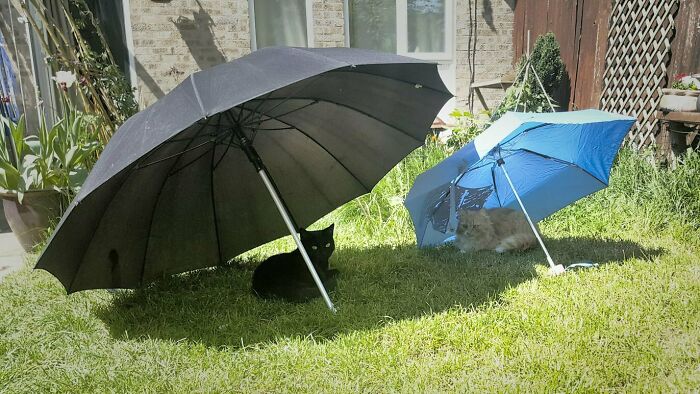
<point x="685" y="48"/>
<point x="580" y="26"/>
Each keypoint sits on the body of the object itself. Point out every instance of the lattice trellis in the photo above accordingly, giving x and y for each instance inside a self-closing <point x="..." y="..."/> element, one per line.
<point x="639" y="46"/>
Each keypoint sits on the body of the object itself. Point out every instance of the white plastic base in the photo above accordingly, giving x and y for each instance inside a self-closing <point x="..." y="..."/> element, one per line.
<point x="556" y="270"/>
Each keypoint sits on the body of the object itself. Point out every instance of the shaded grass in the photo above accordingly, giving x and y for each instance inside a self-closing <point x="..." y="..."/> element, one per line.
<point x="408" y="320"/>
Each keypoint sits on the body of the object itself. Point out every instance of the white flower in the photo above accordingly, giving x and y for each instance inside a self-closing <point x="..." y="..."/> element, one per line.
<point x="64" y="79"/>
<point x="688" y="80"/>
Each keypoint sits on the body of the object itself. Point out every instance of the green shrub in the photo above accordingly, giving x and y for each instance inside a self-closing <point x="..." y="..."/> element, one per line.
<point x="546" y="60"/>
<point x="57" y="158"/>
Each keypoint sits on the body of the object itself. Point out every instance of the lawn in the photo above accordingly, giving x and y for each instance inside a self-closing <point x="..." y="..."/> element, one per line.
<point x="408" y="319"/>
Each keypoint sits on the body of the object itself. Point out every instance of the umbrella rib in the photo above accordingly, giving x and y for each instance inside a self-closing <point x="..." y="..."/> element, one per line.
<point x="213" y="204"/>
<point x="213" y="142"/>
<point x="495" y="187"/>
<point x="228" y="146"/>
<point x="155" y="203"/>
<point x="313" y="101"/>
<point x="352" y="109"/>
<point x="367" y="189"/>
<point x="559" y="161"/>
<point x="75" y="276"/>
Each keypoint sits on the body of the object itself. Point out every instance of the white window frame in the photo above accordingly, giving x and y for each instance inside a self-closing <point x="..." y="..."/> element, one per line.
<point x="402" y="31"/>
<point x="309" y="24"/>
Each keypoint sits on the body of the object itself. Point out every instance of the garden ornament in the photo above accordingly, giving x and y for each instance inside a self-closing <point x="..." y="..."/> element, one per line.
<point x="205" y="173"/>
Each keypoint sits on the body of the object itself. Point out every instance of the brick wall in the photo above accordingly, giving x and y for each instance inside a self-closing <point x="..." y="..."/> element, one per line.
<point x="176" y="38"/>
<point x="329" y="23"/>
<point x="484" y="47"/>
<point x="173" y="39"/>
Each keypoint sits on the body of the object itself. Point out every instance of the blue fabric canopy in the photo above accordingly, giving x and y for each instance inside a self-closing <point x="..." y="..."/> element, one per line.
<point x="553" y="160"/>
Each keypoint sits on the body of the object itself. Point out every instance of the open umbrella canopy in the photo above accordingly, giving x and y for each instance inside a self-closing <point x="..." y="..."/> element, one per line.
<point x="553" y="159"/>
<point x="174" y="190"/>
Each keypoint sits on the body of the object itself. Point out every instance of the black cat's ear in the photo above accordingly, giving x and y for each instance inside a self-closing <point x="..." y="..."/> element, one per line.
<point x="330" y="228"/>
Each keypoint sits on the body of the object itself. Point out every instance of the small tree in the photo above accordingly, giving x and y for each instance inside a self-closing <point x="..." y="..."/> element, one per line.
<point x="527" y="94"/>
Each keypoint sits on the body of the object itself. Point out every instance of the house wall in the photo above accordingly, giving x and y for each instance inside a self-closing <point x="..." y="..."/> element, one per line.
<point x="484" y="48"/>
<point x="329" y="23"/>
<point x="175" y="38"/>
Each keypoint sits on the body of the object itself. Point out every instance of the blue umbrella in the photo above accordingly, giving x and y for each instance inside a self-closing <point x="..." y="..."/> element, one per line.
<point x="539" y="163"/>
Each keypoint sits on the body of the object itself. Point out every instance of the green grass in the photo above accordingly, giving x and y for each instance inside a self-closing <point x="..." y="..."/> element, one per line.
<point x="408" y="320"/>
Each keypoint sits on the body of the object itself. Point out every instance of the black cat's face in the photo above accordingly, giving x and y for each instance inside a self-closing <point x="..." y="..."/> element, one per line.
<point x="319" y="244"/>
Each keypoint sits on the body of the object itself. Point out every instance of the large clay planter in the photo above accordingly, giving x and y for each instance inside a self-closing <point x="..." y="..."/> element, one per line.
<point x="30" y="219"/>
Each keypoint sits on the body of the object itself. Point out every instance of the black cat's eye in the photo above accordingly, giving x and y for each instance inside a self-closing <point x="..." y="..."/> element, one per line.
<point x="314" y="247"/>
<point x="328" y="245"/>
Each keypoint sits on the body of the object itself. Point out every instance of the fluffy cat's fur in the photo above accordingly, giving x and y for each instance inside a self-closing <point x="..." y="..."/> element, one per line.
<point x="286" y="276"/>
<point x="498" y="229"/>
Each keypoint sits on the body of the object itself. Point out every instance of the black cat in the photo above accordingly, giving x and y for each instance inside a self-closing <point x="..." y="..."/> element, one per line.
<point x="286" y="275"/>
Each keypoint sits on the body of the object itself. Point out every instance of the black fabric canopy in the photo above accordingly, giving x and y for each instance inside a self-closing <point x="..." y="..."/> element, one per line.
<point x="174" y="190"/>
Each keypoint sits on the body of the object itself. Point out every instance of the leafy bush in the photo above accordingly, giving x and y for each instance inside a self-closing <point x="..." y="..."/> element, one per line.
<point x="468" y="126"/>
<point x="57" y="158"/>
<point x="546" y="60"/>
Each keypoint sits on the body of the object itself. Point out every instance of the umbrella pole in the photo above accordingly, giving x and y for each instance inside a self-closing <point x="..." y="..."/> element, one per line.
<point x="554" y="269"/>
<point x="281" y="207"/>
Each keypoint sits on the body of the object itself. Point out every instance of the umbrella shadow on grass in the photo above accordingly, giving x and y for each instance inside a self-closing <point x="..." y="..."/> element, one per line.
<point x="377" y="285"/>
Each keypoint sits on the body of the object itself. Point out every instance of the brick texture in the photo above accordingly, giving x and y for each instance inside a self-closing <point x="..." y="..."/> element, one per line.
<point x="329" y="23"/>
<point x="176" y="38"/>
<point x="173" y="39"/>
<point x="484" y="47"/>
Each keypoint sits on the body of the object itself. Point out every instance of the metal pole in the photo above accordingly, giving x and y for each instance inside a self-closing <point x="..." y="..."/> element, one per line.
<point x="554" y="269"/>
<point x="281" y="207"/>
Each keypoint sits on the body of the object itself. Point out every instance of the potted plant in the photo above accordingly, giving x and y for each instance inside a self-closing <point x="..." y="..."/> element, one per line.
<point x="683" y="96"/>
<point x="40" y="173"/>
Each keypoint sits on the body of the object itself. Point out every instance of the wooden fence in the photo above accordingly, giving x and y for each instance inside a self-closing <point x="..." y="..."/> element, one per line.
<point x="581" y="27"/>
<point x="618" y="54"/>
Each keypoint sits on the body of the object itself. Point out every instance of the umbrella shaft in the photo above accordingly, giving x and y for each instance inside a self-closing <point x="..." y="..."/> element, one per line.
<point x="293" y="232"/>
<point x="256" y="160"/>
<point x="527" y="216"/>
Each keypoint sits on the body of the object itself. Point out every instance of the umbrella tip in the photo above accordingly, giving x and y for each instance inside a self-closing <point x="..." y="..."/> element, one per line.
<point x="556" y="270"/>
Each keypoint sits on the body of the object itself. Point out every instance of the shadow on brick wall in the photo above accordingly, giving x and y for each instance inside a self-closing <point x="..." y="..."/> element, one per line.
<point x="197" y="33"/>
<point x="487" y="12"/>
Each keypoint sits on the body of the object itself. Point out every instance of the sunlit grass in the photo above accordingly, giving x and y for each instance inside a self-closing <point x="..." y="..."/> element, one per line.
<point x="408" y="320"/>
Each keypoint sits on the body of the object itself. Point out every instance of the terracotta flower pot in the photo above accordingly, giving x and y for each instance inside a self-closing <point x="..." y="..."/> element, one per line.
<point x="30" y="219"/>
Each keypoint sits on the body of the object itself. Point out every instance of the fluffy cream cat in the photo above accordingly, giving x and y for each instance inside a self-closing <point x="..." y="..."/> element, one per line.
<point x="499" y="229"/>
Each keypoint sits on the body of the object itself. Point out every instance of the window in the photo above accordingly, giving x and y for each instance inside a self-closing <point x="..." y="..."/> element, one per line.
<point x="280" y="23"/>
<point x="418" y="28"/>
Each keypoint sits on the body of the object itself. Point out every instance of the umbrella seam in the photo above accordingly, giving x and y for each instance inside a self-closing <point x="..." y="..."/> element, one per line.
<point x="560" y="161"/>
<point x="213" y="204"/>
<point x="196" y="94"/>
<point x="354" y="70"/>
<point x="400" y="130"/>
<point x="155" y="204"/>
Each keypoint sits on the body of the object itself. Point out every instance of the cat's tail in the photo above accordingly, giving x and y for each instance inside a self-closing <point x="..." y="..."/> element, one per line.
<point x="517" y="242"/>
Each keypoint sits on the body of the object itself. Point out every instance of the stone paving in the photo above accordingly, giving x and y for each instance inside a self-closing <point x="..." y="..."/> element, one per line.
<point x="11" y="254"/>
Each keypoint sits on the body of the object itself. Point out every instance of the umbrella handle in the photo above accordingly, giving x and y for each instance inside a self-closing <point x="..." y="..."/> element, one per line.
<point x="297" y="240"/>
<point x="554" y="269"/>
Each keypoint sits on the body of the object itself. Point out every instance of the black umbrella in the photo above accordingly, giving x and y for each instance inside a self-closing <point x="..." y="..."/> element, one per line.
<point x="174" y="190"/>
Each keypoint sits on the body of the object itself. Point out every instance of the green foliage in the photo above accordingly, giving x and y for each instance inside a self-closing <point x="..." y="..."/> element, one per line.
<point x="468" y="126"/>
<point x="57" y="158"/>
<point x="547" y="62"/>
<point x="546" y="59"/>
